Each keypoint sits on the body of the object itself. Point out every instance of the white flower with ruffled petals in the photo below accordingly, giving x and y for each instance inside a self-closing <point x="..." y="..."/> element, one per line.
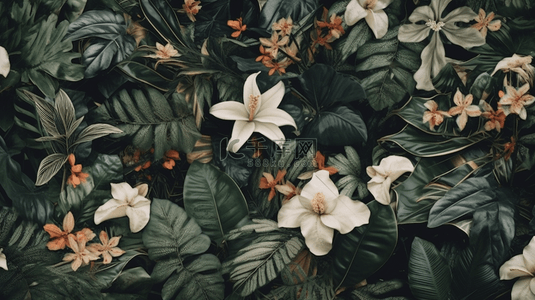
<point x="388" y="170"/>
<point x="127" y="201"/>
<point x="5" y="66"/>
<point x="257" y="113"/>
<point x="320" y="209"/>
<point x="523" y="266"/>
<point x="372" y="11"/>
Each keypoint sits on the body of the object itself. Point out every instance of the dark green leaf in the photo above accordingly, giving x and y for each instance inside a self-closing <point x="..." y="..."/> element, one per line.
<point x="429" y="273"/>
<point x="447" y="80"/>
<point x="338" y="126"/>
<point x="163" y="18"/>
<point x="358" y="35"/>
<point x="360" y="253"/>
<point x="274" y="10"/>
<point x="145" y="74"/>
<point x="214" y="200"/>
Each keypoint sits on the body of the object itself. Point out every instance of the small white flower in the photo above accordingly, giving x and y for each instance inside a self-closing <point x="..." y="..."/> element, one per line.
<point x="384" y="174"/>
<point x="372" y="10"/>
<point x="5" y="66"/>
<point x="320" y="209"/>
<point x="257" y="113"/>
<point x="523" y="266"/>
<point x="127" y="201"/>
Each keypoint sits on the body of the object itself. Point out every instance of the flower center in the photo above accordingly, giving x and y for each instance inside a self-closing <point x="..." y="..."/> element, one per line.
<point x="434" y="25"/>
<point x="370" y="4"/>
<point x="318" y="203"/>
<point x="253" y="105"/>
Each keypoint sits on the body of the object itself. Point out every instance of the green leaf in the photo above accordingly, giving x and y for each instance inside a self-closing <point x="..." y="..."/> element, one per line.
<point x="95" y="131"/>
<point x="357" y="37"/>
<point x="387" y="67"/>
<point x="49" y="167"/>
<point x="214" y="200"/>
<point x="360" y="253"/>
<point x="351" y="168"/>
<point x="429" y="273"/>
<point x="421" y="144"/>
<point x="144" y="74"/>
<point x="338" y="126"/>
<point x="163" y="18"/>
<point x="166" y="123"/>
<point x="176" y="243"/>
<point x="274" y="10"/>
<point x="448" y="81"/>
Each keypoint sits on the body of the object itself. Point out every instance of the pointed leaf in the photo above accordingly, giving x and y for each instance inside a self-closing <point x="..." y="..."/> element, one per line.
<point x="49" y="167"/>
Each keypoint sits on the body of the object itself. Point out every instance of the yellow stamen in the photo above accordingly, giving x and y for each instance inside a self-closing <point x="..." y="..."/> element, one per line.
<point x="318" y="203"/>
<point x="253" y="105"/>
<point x="434" y="25"/>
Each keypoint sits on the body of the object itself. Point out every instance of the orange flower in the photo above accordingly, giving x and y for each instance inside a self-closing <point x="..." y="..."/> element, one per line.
<point x="279" y="66"/>
<point x="496" y="119"/>
<point x="319" y="164"/>
<point x="284" y="26"/>
<point x="268" y="182"/>
<point x="509" y="148"/>
<point x="238" y="26"/>
<point x="515" y="101"/>
<point x="77" y="176"/>
<point x="85" y="235"/>
<point x="274" y="43"/>
<point x="170" y="156"/>
<point x="191" y="8"/>
<point x="434" y="116"/>
<point x="318" y="39"/>
<point x="464" y="109"/>
<point x="335" y="25"/>
<point x="266" y="54"/>
<point x="484" y="22"/>
<point x="287" y="189"/>
<point x="144" y="166"/>
<point x="58" y="237"/>
<point x="164" y="52"/>
<point x="80" y="255"/>
<point x="107" y="248"/>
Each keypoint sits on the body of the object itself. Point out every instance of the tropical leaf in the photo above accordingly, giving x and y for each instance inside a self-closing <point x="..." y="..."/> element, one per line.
<point x="164" y="123"/>
<point x="214" y="200"/>
<point x="177" y="245"/>
<point x="274" y="10"/>
<point x="260" y="262"/>
<point x="358" y="36"/>
<point x="349" y="166"/>
<point x="429" y="273"/>
<point x="364" y="250"/>
<point x="163" y="18"/>
<point x="315" y="287"/>
<point x="49" y="167"/>
<point x="387" y="66"/>
<point x="112" y="44"/>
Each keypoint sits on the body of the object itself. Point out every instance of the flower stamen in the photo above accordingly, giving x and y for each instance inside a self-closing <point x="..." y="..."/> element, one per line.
<point x="253" y="105"/>
<point x="318" y="203"/>
<point x="434" y="25"/>
<point x="370" y="4"/>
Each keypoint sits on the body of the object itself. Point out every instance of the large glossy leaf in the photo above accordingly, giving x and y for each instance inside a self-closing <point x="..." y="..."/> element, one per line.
<point x="429" y="273"/>
<point x="364" y="250"/>
<point x="357" y="37"/>
<point x="214" y="200"/>
<point x="338" y="126"/>
<point x="422" y="144"/>
<point x="177" y="245"/>
<point x="386" y="66"/>
<point x="274" y="10"/>
<point x="163" y="18"/>
<point x="145" y="74"/>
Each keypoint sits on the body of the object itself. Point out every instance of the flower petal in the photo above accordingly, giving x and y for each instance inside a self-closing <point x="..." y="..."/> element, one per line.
<point x="110" y="210"/>
<point x="123" y="191"/>
<point x="318" y="237"/>
<point x="250" y="88"/>
<point x="3" y="260"/>
<point x="114" y="241"/>
<point x="460" y="14"/>
<point x="115" y="252"/>
<point x="347" y="215"/>
<point x="321" y="183"/>
<point x="68" y="222"/>
<point x="381" y="191"/>
<point x="241" y="131"/>
<point x="103" y="236"/>
<point x="230" y="110"/>
<point x="433" y="60"/>
<point x="465" y="37"/>
<point x="291" y="213"/>
<point x="395" y="166"/>
<point x="106" y="258"/>
<point x="139" y="214"/>
<point x="5" y="65"/>
<point x="53" y="230"/>
<point x="438" y="7"/>
<point x="354" y="13"/>
<point x="378" y="22"/>
<point x="271" y="131"/>
<point x="142" y="189"/>
<point x="514" y="268"/>
<point x="529" y="256"/>
<point x="275" y="116"/>
<point x="381" y="4"/>
<point x="273" y="97"/>
<point x="461" y="120"/>
<point x="422" y="13"/>
<point x="521" y="289"/>
<point x="412" y="33"/>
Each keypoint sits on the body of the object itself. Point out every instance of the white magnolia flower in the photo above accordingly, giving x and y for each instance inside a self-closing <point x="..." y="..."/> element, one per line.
<point x="257" y="113"/>
<point x="320" y="209"/>
<point x="384" y="174"/>
<point x="372" y="10"/>
<point x="127" y="201"/>
<point x="5" y="66"/>
<point x="523" y="266"/>
<point x="3" y="260"/>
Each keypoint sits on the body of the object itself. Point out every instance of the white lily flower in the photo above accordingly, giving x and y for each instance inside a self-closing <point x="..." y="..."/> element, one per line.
<point x="257" y="113"/>
<point x="372" y="10"/>
<point x="388" y="170"/>
<point x="3" y="260"/>
<point x="5" y="66"/>
<point x="523" y="266"/>
<point x="320" y="209"/>
<point x="127" y="201"/>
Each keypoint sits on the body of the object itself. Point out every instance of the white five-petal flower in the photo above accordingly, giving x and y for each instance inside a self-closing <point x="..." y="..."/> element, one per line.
<point x="127" y="201"/>
<point x="3" y="260"/>
<point x="523" y="266"/>
<point x="388" y="170"/>
<point x="372" y="10"/>
<point x="320" y="209"/>
<point x="257" y="113"/>
<point x="5" y="66"/>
